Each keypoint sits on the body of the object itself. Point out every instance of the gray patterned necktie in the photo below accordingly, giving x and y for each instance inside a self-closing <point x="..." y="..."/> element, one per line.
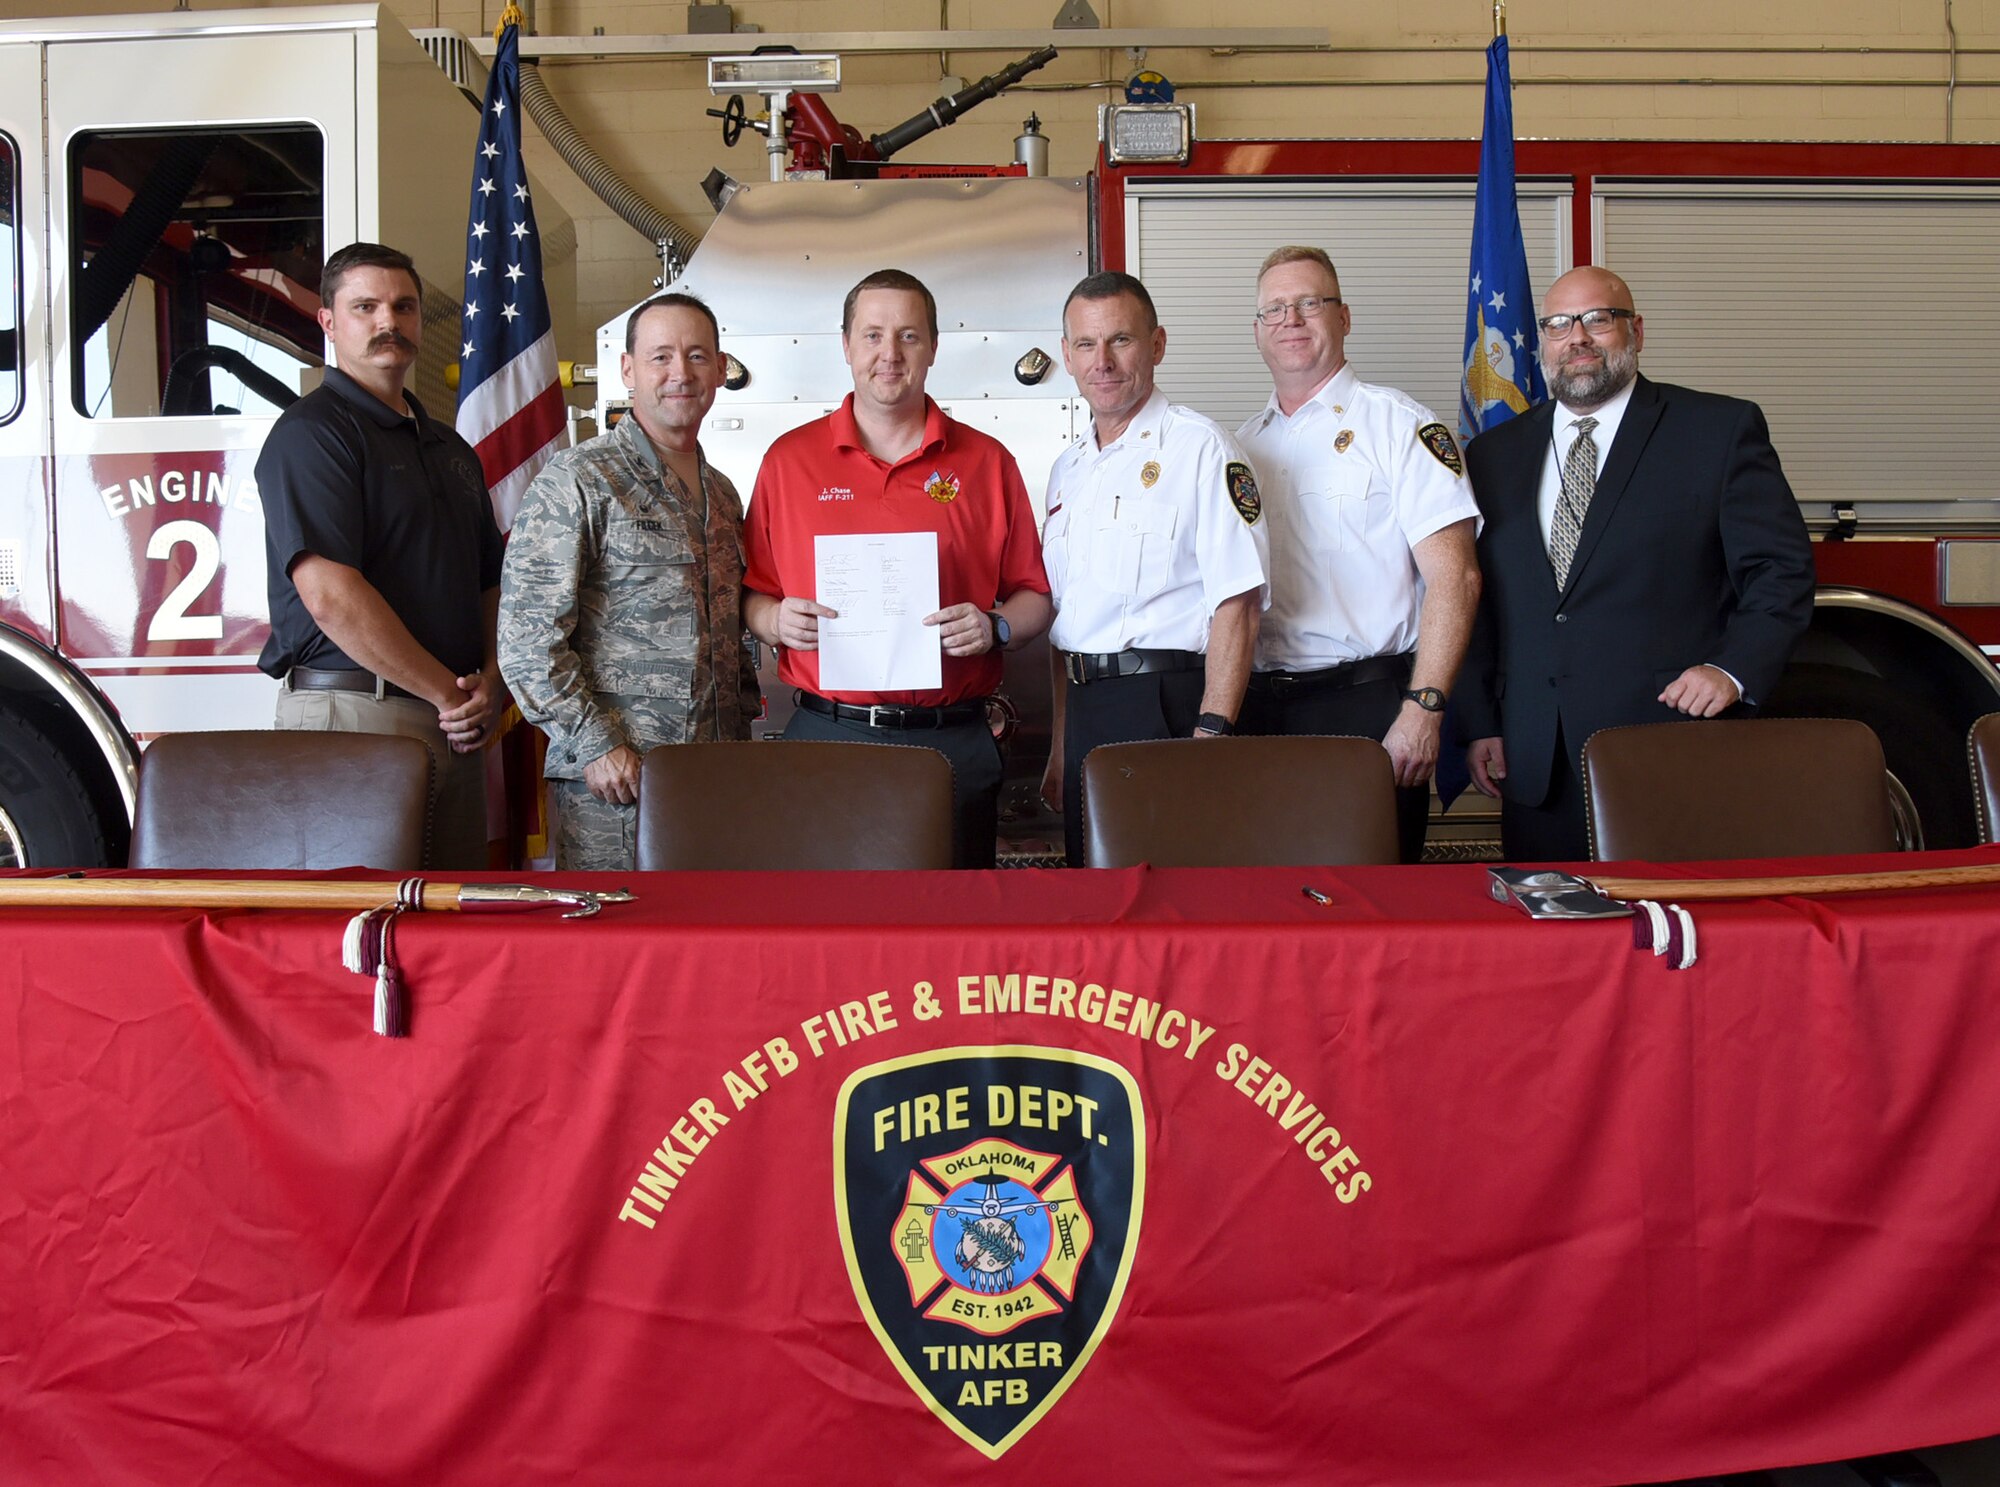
<point x="1579" y="479"/>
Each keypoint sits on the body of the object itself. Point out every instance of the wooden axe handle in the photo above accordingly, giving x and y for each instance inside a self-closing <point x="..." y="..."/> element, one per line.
<point x="1627" y="889"/>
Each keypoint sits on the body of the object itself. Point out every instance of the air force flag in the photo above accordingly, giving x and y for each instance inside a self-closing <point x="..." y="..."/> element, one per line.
<point x="1503" y="375"/>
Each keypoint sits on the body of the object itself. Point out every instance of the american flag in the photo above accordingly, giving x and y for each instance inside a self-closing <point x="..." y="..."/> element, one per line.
<point x="510" y="405"/>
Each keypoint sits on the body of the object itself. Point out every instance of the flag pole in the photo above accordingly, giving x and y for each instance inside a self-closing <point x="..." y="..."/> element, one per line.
<point x="1499" y="18"/>
<point x="296" y="893"/>
<point x="1884" y="881"/>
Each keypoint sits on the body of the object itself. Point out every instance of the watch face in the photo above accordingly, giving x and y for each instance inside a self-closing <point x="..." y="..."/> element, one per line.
<point x="1430" y="699"/>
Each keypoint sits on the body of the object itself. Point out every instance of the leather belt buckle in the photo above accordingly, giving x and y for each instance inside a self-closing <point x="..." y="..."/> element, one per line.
<point x="876" y="718"/>
<point x="1073" y="667"/>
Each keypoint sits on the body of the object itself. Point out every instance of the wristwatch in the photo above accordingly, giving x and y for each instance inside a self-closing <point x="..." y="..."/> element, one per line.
<point x="1430" y="699"/>
<point x="1002" y="631"/>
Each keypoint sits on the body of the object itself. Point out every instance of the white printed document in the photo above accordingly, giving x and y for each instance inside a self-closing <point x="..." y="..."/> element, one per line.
<point x="882" y="584"/>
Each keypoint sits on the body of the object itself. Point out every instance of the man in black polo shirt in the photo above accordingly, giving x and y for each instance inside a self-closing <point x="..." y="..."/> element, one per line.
<point x="384" y="559"/>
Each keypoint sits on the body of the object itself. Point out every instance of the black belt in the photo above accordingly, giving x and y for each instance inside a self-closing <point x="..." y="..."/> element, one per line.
<point x="1081" y="668"/>
<point x="1347" y="674"/>
<point x="306" y="679"/>
<point x="892" y="714"/>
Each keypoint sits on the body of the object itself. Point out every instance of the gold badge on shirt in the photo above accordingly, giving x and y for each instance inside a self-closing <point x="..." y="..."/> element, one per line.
<point x="1342" y="440"/>
<point x="1149" y="473"/>
<point x="941" y="488"/>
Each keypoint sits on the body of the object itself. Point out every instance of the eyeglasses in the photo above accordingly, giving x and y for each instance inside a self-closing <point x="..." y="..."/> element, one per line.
<point x="1308" y="306"/>
<point x="1559" y="327"/>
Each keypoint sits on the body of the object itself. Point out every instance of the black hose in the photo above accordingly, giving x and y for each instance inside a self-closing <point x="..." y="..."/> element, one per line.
<point x="947" y="110"/>
<point x="184" y="379"/>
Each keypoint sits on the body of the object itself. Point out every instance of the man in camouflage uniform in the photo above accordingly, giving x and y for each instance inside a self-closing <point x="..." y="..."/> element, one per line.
<point x="621" y="599"/>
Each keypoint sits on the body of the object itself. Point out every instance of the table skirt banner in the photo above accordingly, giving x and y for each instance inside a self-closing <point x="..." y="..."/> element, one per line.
<point x="1130" y="1176"/>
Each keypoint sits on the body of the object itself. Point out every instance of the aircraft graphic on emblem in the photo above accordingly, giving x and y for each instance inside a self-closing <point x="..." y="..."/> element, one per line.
<point x="993" y="1236"/>
<point x="990" y="1246"/>
<point x="987" y="1267"/>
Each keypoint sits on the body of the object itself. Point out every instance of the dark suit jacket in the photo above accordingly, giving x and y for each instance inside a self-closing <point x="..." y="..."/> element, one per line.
<point x="1693" y="551"/>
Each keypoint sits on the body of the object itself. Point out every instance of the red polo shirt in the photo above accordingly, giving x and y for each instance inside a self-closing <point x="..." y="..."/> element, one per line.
<point x="960" y="484"/>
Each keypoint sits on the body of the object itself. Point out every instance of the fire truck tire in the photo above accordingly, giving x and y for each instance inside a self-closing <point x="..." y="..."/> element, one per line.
<point x="1923" y="749"/>
<point x="48" y="805"/>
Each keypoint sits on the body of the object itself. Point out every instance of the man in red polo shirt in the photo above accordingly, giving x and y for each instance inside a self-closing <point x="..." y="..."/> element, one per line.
<point x="888" y="460"/>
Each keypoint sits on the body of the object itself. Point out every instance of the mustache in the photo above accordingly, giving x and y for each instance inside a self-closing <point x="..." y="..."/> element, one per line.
<point x="391" y="338"/>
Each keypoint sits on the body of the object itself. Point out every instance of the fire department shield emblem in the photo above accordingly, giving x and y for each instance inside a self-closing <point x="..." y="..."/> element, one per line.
<point x="1243" y="493"/>
<point x="989" y="1203"/>
<point x="1437" y="439"/>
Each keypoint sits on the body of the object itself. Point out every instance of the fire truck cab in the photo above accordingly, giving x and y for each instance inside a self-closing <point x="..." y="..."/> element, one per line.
<point x="169" y="187"/>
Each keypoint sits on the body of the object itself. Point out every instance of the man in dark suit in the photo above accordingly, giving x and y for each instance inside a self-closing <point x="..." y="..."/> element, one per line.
<point x="1644" y="560"/>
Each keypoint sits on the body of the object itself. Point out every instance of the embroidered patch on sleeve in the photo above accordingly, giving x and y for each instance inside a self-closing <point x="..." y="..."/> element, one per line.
<point x="1444" y="449"/>
<point x="1243" y="493"/>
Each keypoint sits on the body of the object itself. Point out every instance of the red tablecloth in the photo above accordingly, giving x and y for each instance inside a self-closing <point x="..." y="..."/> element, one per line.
<point x="1617" y="1222"/>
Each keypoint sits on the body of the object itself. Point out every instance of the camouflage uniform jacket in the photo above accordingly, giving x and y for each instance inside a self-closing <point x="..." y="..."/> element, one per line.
<point x="621" y="605"/>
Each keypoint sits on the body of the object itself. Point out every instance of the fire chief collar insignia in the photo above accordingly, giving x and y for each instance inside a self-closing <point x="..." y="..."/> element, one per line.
<point x="1444" y="449"/>
<point x="989" y="1203"/>
<point x="1243" y="493"/>
<point x="941" y="488"/>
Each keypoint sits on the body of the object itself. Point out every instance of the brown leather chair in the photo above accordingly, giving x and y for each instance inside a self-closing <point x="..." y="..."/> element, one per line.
<point x="279" y="798"/>
<point x="793" y="804"/>
<point x="1756" y="787"/>
<point x="1239" y="802"/>
<point x="1983" y="747"/>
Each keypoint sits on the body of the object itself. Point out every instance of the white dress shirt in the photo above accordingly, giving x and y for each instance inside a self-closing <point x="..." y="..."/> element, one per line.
<point x="1349" y="490"/>
<point x="1143" y="540"/>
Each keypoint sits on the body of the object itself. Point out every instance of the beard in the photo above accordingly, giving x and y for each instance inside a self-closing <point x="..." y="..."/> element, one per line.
<point x="1592" y="387"/>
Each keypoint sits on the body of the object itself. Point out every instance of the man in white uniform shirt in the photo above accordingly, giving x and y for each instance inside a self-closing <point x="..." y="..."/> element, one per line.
<point x="1154" y="547"/>
<point x="1374" y="583"/>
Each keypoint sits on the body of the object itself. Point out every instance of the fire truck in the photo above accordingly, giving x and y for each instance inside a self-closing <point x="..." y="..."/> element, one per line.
<point x="169" y="187"/>
<point x="169" y="184"/>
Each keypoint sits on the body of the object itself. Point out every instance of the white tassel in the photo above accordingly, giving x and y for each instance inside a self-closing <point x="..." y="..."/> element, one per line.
<point x="1658" y="919"/>
<point x="1687" y="936"/>
<point x="389" y="1019"/>
<point x="350" y="943"/>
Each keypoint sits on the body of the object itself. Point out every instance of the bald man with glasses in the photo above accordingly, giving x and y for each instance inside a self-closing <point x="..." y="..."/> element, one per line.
<point x="1373" y="579"/>
<point x="1644" y="560"/>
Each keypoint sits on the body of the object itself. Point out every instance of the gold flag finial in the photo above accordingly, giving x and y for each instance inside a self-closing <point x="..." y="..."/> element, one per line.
<point x="514" y="16"/>
<point x="1499" y="17"/>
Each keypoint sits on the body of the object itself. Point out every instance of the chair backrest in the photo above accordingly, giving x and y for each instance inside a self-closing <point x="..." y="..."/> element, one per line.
<point x="1239" y="802"/>
<point x="1756" y="787"/>
<point x="1983" y="746"/>
<point x="794" y="804"/>
<point x="281" y="798"/>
